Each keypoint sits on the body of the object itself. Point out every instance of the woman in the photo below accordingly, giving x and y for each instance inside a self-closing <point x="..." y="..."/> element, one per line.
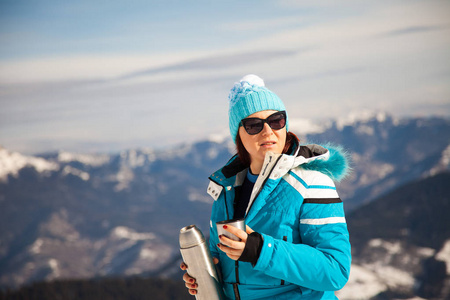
<point x="296" y="245"/>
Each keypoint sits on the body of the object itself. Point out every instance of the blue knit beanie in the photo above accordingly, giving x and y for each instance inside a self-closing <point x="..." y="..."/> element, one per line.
<point x="249" y="96"/>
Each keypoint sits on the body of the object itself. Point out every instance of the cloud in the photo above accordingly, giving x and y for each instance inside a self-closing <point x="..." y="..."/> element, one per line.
<point x="415" y="29"/>
<point x="84" y="67"/>
<point x="215" y="62"/>
<point x="331" y="60"/>
<point x="262" y="25"/>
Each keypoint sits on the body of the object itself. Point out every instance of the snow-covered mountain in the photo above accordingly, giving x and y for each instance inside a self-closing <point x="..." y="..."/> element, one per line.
<point x="387" y="152"/>
<point x="78" y="215"/>
<point x="12" y="162"/>
<point x="72" y="215"/>
<point x="401" y="243"/>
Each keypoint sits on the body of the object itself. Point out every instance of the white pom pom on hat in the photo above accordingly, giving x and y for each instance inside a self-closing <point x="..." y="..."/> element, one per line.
<point x="253" y="80"/>
<point x="248" y="97"/>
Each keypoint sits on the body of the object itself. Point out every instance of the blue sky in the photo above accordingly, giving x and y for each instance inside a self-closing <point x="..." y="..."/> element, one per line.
<point x="111" y="75"/>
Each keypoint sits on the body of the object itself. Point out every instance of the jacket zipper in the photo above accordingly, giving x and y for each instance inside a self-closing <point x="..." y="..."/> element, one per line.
<point x="236" y="266"/>
<point x="235" y="285"/>
<point x="225" y="201"/>
<point x="284" y="239"/>
<point x="263" y="184"/>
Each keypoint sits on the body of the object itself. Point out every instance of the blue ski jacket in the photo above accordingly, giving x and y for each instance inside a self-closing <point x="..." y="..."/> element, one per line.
<point x="295" y="207"/>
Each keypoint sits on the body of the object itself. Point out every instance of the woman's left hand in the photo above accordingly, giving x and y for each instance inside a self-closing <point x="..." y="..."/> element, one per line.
<point x="234" y="249"/>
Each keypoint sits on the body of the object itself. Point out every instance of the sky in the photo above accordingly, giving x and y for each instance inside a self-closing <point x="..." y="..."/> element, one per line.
<point x="106" y="76"/>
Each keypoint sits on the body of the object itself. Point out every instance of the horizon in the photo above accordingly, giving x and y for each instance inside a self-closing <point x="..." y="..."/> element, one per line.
<point x="300" y="126"/>
<point x="150" y="74"/>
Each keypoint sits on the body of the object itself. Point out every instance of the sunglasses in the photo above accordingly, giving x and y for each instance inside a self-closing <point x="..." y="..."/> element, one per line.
<point x="254" y="126"/>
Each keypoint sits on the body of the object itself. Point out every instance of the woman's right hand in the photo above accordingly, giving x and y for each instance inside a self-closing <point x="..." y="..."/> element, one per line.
<point x="189" y="281"/>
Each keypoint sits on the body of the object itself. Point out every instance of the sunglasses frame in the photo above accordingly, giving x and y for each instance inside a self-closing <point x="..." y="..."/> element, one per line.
<point x="283" y="113"/>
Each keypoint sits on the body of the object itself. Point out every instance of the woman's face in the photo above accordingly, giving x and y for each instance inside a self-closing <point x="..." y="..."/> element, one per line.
<point x="267" y="140"/>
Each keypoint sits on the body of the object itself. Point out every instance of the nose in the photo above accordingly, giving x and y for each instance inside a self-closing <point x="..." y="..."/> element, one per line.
<point x="266" y="130"/>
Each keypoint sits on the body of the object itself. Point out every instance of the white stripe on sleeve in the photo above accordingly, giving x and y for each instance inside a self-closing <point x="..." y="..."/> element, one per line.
<point x="310" y="192"/>
<point x="323" y="221"/>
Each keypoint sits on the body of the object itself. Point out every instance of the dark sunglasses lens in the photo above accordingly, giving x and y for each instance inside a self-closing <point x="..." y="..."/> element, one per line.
<point x="277" y="121"/>
<point x="253" y="126"/>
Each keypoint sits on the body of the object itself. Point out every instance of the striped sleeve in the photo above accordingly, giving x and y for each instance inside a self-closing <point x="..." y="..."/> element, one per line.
<point x="321" y="261"/>
<point x="321" y="202"/>
<point x="318" y="209"/>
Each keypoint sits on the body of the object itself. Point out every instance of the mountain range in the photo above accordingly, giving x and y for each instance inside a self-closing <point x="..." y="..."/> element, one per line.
<point x="401" y="243"/>
<point x="72" y="215"/>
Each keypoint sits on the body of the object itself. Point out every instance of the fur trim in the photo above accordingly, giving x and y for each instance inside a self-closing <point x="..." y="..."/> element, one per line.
<point x="337" y="166"/>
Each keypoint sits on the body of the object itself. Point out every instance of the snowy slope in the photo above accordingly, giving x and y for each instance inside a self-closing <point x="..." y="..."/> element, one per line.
<point x="12" y="162"/>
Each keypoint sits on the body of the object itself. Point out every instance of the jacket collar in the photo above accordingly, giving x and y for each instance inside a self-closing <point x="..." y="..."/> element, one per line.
<point x="332" y="162"/>
<point x="298" y="155"/>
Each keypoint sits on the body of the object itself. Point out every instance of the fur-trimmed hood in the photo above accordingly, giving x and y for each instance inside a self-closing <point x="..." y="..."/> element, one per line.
<point x="328" y="159"/>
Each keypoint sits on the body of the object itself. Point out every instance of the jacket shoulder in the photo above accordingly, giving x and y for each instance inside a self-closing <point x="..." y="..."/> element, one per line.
<point x="312" y="178"/>
<point x="336" y="166"/>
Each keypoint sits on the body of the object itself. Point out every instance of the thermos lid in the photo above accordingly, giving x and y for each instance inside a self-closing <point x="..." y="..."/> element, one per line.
<point x="190" y="236"/>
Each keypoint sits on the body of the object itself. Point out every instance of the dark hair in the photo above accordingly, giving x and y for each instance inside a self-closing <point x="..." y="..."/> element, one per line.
<point x="244" y="156"/>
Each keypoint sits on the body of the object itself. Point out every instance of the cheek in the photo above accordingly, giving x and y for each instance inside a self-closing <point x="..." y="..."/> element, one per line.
<point x="247" y="140"/>
<point x="282" y="139"/>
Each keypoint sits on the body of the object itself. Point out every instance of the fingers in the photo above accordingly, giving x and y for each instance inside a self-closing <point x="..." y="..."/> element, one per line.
<point x="232" y="249"/>
<point x="190" y="286"/>
<point x="236" y="231"/>
<point x="231" y="243"/>
<point x="248" y="229"/>
<point x="183" y="266"/>
<point x="188" y="279"/>
<point x="193" y="292"/>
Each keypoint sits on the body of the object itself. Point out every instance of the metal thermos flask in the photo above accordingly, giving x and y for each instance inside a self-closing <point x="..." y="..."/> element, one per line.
<point x="197" y="257"/>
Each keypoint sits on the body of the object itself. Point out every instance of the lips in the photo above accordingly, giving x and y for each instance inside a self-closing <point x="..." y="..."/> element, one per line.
<point x="268" y="143"/>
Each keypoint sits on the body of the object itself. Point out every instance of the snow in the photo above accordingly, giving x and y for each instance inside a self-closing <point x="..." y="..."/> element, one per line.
<point x="426" y="252"/>
<point x="305" y="126"/>
<point x="383" y="267"/>
<point x="54" y="265"/>
<point x="123" y="177"/>
<point x="362" y="284"/>
<point x="443" y="164"/>
<point x="391" y="276"/>
<point x="212" y="153"/>
<point x="361" y="116"/>
<point x="368" y="280"/>
<point x="12" y="162"/>
<point x="365" y="130"/>
<point x="392" y="248"/>
<point x="219" y="137"/>
<point x="73" y="171"/>
<point x="36" y="247"/>
<point x="131" y="160"/>
<point x="128" y="233"/>
<point x="446" y="156"/>
<point x="148" y="254"/>
<point x="136" y="158"/>
<point x="86" y="159"/>
<point x="200" y="197"/>
<point x="444" y="255"/>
